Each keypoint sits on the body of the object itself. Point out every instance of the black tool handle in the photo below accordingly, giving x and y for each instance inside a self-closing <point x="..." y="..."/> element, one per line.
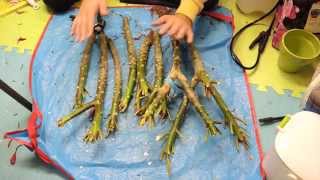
<point x="15" y="95"/>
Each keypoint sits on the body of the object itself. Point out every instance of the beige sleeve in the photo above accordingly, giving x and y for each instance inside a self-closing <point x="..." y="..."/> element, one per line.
<point x="190" y="8"/>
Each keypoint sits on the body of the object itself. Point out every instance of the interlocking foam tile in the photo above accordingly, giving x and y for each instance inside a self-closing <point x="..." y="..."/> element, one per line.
<point x="277" y="105"/>
<point x="267" y="74"/>
<point x="14" y="68"/>
<point x="24" y="23"/>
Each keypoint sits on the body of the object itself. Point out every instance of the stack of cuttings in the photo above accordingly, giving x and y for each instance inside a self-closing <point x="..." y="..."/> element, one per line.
<point x="151" y="101"/>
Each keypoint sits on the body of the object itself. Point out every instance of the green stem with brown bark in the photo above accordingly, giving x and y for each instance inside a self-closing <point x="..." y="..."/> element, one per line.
<point x="170" y="138"/>
<point x="157" y="102"/>
<point x="95" y="133"/>
<point x="230" y="119"/>
<point x="159" y="71"/>
<point x="84" y="67"/>
<point x="176" y="74"/>
<point x="143" y="88"/>
<point x="132" y="58"/>
<point x="80" y="109"/>
<point x="113" y="115"/>
<point x="158" y="58"/>
<point x="152" y="106"/>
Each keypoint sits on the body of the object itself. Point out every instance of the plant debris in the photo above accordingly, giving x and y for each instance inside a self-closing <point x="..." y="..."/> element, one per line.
<point x="20" y="39"/>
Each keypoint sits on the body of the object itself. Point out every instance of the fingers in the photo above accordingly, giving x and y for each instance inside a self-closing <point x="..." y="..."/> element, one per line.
<point x="160" y="21"/>
<point x="73" y="27"/>
<point x="190" y="36"/>
<point x="104" y="11"/>
<point x="173" y="29"/>
<point x="165" y="27"/>
<point x="89" y="28"/>
<point x="103" y="8"/>
<point x="175" y="26"/>
<point x="82" y="27"/>
<point x="165" y="23"/>
<point x="181" y="34"/>
<point x="184" y="33"/>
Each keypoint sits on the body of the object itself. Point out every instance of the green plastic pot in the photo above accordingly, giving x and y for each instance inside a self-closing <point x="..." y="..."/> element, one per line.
<point x="298" y="48"/>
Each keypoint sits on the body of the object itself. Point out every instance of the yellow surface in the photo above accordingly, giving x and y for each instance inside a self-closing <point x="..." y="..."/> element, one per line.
<point x="267" y="73"/>
<point x="190" y="8"/>
<point x="115" y="3"/>
<point x="21" y="21"/>
<point x="110" y="3"/>
<point x="24" y="23"/>
<point x="6" y="8"/>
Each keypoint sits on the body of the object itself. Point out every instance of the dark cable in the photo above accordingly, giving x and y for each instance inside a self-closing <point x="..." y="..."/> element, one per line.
<point x="15" y="95"/>
<point x="270" y="120"/>
<point x="261" y="40"/>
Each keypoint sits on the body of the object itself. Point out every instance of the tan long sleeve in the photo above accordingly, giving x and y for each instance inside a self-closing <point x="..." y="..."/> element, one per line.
<point x="190" y="8"/>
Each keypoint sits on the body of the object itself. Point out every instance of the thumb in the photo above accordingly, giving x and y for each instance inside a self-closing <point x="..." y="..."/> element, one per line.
<point x="103" y="8"/>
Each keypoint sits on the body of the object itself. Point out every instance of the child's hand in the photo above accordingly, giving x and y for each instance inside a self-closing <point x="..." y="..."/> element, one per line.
<point x="178" y="26"/>
<point x="82" y="26"/>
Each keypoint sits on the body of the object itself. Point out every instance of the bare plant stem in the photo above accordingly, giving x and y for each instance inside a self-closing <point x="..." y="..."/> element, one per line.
<point x="159" y="71"/>
<point x="132" y="57"/>
<point x="168" y="149"/>
<point x="80" y="109"/>
<point x="143" y="88"/>
<point x="152" y="106"/>
<point x="176" y="74"/>
<point x="113" y="115"/>
<point x="84" y="67"/>
<point x="157" y="102"/>
<point x="94" y="133"/>
<point x="210" y="90"/>
<point x="158" y="58"/>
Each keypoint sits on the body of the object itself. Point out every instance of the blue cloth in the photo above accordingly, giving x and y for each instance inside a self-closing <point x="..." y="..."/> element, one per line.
<point x="133" y="152"/>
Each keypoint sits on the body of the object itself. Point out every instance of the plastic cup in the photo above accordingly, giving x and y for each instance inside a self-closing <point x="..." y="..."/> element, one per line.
<point x="298" y="48"/>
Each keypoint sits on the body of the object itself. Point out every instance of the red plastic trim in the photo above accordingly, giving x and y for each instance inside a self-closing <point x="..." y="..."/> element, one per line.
<point x="8" y="136"/>
<point x="221" y="17"/>
<point x="32" y="122"/>
<point x="255" y="123"/>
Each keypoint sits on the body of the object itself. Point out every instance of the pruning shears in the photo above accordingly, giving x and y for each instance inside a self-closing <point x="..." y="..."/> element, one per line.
<point x="99" y="26"/>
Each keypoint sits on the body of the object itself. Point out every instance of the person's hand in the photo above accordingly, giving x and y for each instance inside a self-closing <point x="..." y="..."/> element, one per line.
<point x="82" y="26"/>
<point x="178" y="26"/>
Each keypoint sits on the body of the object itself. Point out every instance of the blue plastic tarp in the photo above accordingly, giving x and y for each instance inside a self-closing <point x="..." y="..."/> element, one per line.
<point x="133" y="152"/>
